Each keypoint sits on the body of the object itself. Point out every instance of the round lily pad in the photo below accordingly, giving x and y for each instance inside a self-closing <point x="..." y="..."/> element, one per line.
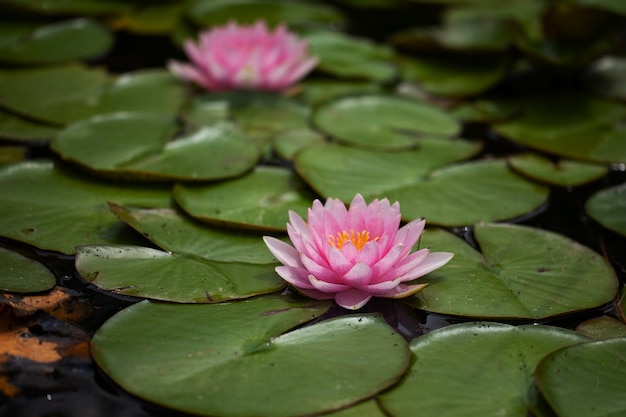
<point x="339" y="171"/>
<point x="145" y="146"/>
<point x="572" y="126"/>
<point x="70" y="7"/>
<point x="56" y="209"/>
<point x="172" y="231"/>
<point x="259" y="200"/>
<point x="607" y="77"/>
<point x="350" y="57"/>
<point x="463" y="194"/>
<point x="290" y="142"/>
<point x="608" y="207"/>
<point x="21" y="274"/>
<point x="180" y="276"/>
<point x="28" y="43"/>
<point x="243" y="363"/>
<point x="152" y="18"/>
<point x="455" y="76"/>
<point x="585" y="380"/>
<point x="23" y="130"/>
<point x="383" y="122"/>
<point x="532" y="273"/>
<point x="480" y="369"/>
<point x="260" y="115"/>
<point x="296" y="14"/>
<point x="317" y="91"/>
<point x="67" y="93"/>
<point x="565" y="173"/>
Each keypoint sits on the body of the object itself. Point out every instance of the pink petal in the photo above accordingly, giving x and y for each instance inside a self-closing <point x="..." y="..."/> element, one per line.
<point x="352" y="299"/>
<point x="359" y="275"/>
<point x="430" y="263"/>
<point x="407" y="267"/>
<point x="337" y="261"/>
<point x="317" y="270"/>
<point x="315" y="294"/>
<point x="382" y="287"/>
<point x="327" y="287"/>
<point x="403" y="290"/>
<point x="298" y="277"/>
<point x="285" y="253"/>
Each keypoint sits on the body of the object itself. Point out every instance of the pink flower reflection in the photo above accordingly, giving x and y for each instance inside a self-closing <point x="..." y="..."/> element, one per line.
<point x="354" y="254"/>
<point x="245" y="57"/>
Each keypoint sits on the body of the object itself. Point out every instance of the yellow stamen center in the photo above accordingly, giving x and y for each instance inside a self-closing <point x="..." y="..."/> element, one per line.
<point x="358" y="239"/>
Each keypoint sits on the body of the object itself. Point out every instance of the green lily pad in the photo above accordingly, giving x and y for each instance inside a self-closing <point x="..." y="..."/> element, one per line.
<point x="19" y="129"/>
<point x="63" y="94"/>
<point x="56" y="209"/>
<point x="615" y="6"/>
<point x="180" y="276"/>
<point x="294" y="13"/>
<point x="603" y="327"/>
<point x="383" y="122"/>
<point x="28" y="43"/>
<point x="608" y="207"/>
<point x="463" y="29"/>
<point x="455" y="76"/>
<point x="243" y="363"/>
<point x="158" y="18"/>
<point x="572" y="126"/>
<point x="174" y="232"/>
<point x="480" y="369"/>
<point x="339" y="171"/>
<point x="259" y="200"/>
<point x="71" y="7"/>
<point x="532" y="273"/>
<point x="585" y="380"/>
<point x="350" y="57"/>
<point x="462" y="194"/>
<point x="21" y="274"/>
<point x="368" y="408"/>
<point x="318" y="91"/>
<point x="145" y="146"/>
<point x="564" y="173"/>
<point x="289" y="142"/>
<point x="607" y="78"/>
<point x="260" y="115"/>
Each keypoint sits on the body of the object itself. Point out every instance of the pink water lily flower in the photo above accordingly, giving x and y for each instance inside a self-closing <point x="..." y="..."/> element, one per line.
<point x="353" y="254"/>
<point x="245" y="57"/>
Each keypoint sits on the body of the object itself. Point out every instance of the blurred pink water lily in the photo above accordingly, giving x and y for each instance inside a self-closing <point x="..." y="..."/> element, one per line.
<point x="245" y="57"/>
<point x="353" y="254"/>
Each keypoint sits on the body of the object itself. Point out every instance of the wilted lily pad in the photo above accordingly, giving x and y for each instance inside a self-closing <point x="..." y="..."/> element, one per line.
<point x="340" y="171"/>
<point x="522" y="272"/>
<point x="181" y="276"/>
<point x="350" y="57"/>
<point x="572" y="126"/>
<point x="30" y="43"/>
<point x="57" y="209"/>
<point x="145" y="146"/>
<point x="21" y="274"/>
<point x="565" y="173"/>
<point x="259" y="200"/>
<point x="383" y="122"/>
<point x="485" y="367"/>
<point x="603" y="327"/>
<point x="585" y="380"/>
<point x="243" y="363"/>
<point x="608" y="207"/>
<point x="63" y="94"/>
<point x="296" y="14"/>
